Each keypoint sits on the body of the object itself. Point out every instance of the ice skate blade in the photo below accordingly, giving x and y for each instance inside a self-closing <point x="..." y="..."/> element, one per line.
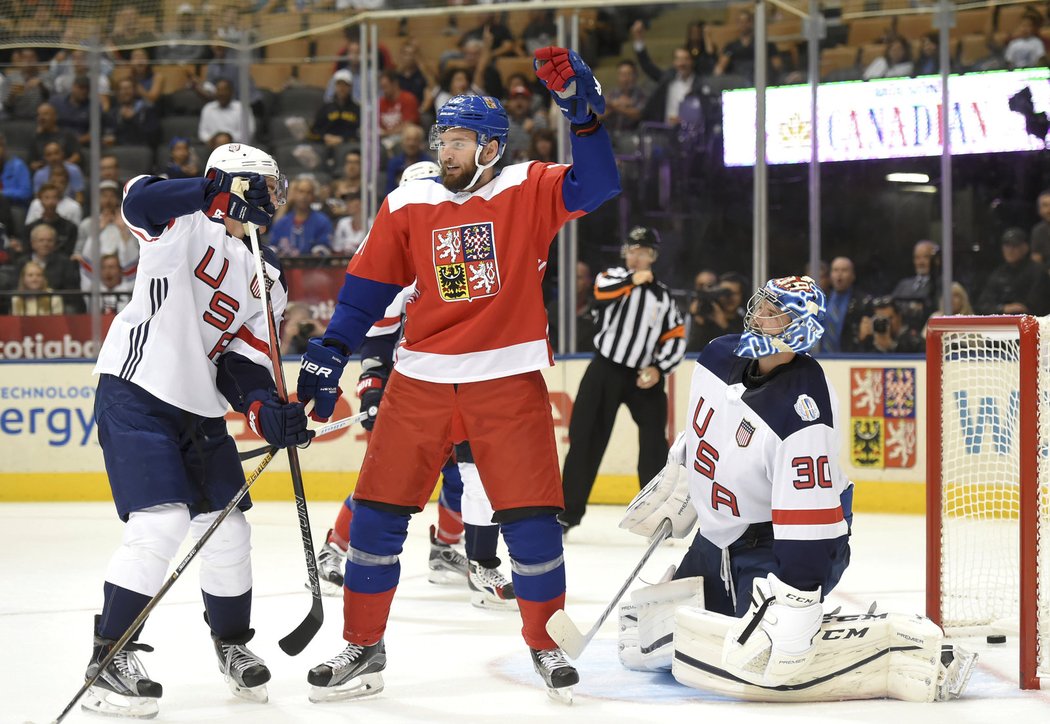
<point x="359" y="687"/>
<point x="445" y="577"/>
<point x="108" y="703"/>
<point x="479" y="600"/>
<point x="257" y="694"/>
<point x="562" y="695"/>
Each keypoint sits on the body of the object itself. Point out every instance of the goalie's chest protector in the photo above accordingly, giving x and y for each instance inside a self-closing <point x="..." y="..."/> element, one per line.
<point x="754" y="453"/>
<point x="194" y="295"/>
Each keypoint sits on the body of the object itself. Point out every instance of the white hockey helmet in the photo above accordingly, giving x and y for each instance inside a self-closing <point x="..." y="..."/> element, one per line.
<point x="238" y="158"/>
<point x="420" y="170"/>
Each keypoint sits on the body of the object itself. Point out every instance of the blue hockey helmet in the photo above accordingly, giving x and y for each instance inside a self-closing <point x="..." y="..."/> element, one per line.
<point x="482" y="114"/>
<point x="797" y="304"/>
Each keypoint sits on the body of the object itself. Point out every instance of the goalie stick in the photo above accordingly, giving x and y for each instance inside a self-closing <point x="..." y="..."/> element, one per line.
<point x="297" y="640"/>
<point x="325" y="429"/>
<point x="152" y="603"/>
<point x="568" y="636"/>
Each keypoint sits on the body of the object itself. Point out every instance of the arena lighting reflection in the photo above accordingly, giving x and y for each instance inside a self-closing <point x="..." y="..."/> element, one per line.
<point x="888" y="118"/>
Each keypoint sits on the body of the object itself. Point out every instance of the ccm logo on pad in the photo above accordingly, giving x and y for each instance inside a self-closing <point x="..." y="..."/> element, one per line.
<point x="317" y="369"/>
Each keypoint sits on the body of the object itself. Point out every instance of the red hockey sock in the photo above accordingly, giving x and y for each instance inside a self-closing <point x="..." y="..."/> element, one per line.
<point x="534" y="616"/>
<point x="365" y="615"/>
<point x="340" y="534"/>
<point x="450" y="526"/>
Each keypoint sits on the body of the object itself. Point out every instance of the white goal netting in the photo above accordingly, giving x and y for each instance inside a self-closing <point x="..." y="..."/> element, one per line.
<point x="981" y="428"/>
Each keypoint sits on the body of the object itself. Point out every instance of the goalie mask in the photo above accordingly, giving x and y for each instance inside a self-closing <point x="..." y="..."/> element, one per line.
<point x="239" y="158"/>
<point x="785" y="315"/>
<point x="484" y="115"/>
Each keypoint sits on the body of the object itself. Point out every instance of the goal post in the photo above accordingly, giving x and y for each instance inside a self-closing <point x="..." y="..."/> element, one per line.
<point x="987" y="503"/>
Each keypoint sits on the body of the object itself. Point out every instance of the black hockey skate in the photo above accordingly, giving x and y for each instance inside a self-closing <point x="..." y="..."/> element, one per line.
<point x="123" y="688"/>
<point x="353" y="674"/>
<point x="490" y="589"/>
<point x="558" y="674"/>
<point x="245" y="672"/>
<point x="447" y="565"/>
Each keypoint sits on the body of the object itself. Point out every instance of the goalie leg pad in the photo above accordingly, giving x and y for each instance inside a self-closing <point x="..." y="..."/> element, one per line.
<point x="865" y="656"/>
<point x="647" y="622"/>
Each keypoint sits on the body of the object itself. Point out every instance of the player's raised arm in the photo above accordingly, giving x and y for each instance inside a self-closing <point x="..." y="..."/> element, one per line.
<point x="593" y="178"/>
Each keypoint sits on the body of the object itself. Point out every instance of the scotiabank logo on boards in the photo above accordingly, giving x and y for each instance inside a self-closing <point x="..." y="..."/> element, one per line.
<point x="65" y="336"/>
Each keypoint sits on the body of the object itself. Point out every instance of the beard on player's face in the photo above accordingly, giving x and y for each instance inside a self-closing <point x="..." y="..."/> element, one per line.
<point x="456" y="175"/>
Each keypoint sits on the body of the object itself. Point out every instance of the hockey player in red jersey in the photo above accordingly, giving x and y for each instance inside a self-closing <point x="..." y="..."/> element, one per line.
<point x="469" y="365"/>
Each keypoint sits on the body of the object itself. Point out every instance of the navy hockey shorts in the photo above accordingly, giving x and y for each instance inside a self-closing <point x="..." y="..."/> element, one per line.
<point x="156" y="453"/>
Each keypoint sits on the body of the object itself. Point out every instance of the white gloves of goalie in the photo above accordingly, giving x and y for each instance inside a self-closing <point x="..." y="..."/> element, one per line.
<point x="666" y="497"/>
<point x="781" y="645"/>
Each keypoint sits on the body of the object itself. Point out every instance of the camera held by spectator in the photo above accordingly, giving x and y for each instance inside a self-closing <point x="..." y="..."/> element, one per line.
<point x="885" y="331"/>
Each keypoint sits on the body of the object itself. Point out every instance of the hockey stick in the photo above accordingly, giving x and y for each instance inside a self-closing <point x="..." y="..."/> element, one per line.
<point x="297" y="640"/>
<point x="567" y="635"/>
<point x="318" y="432"/>
<point x="152" y="603"/>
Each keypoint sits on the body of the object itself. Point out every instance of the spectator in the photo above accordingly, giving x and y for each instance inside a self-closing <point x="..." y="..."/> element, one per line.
<point x="174" y="49"/>
<point x="129" y="28"/>
<point x="1020" y="285"/>
<point x="76" y="66"/>
<point x="350" y="59"/>
<point x="351" y="229"/>
<point x="221" y="67"/>
<point x="886" y="332"/>
<point x="47" y="131"/>
<point x="738" y="57"/>
<point x="24" y="88"/>
<point x="928" y="61"/>
<point x="351" y="176"/>
<point x="182" y="159"/>
<point x="224" y="115"/>
<point x="586" y="313"/>
<point x="1026" y="47"/>
<point x="32" y="279"/>
<point x="338" y="120"/>
<point x="222" y="138"/>
<point x="148" y="86"/>
<point x="494" y="33"/>
<point x="543" y="146"/>
<point x="15" y="183"/>
<point x="718" y="311"/>
<point x="477" y="59"/>
<point x="624" y="102"/>
<point x="74" y="109"/>
<point x="413" y="71"/>
<point x="541" y="32"/>
<point x="61" y="271"/>
<point x="299" y="328"/>
<point x="456" y="82"/>
<point x="67" y="208"/>
<point x="114" y="288"/>
<point x="702" y="49"/>
<point x="822" y="275"/>
<point x="396" y="108"/>
<point x="114" y="236"/>
<point x="413" y="150"/>
<point x="917" y="296"/>
<point x="1039" y="239"/>
<point x="109" y="169"/>
<point x="895" y="62"/>
<point x="522" y="123"/>
<point x="846" y="305"/>
<point x="672" y="85"/>
<point x="64" y="230"/>
<point x="131" y="121"/>
<point x="53" y="159"/>
<point x="960" y="303"/>
<point x="12" y="230"/>
<point x="302" y="231"/>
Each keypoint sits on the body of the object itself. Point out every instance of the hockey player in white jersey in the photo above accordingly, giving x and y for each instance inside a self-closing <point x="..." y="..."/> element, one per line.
<point x="757" y="468"/>
<point x="192" y="341"/>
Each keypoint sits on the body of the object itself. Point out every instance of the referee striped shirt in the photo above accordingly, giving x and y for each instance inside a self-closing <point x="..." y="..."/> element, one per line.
<point x="639" y="326"/>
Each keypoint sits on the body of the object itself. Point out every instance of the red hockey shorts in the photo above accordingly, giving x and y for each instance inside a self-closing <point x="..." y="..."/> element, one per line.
<point x="507" y="422"/>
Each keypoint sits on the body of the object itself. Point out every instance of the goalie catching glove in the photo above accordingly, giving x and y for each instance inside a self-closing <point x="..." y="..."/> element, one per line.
<point x="250" y="205"/>
<point x="319" y="378"/>
<point x="666" y="497"/>
<point x="773" y="643"/>
<point x="280" y="424"/>
<point x="572" y="85"/>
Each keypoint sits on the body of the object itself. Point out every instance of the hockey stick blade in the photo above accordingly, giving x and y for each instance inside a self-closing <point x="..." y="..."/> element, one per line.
<point x="567" y="634"/>
<point x="294" y="643"/>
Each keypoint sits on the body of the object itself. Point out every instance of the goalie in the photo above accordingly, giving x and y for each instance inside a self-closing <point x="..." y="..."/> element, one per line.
<point x="757" y="468"/>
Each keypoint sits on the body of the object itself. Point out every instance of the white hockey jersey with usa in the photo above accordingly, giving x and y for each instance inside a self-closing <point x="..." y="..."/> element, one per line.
<point x="763" y="454"/>
<point x="195" y="297"/>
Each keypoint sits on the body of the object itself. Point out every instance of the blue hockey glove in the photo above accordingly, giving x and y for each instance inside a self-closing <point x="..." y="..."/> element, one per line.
<point x="370" y="392"/>
<point x="319" y="378"/>
<point x="251" y="207"/>
<point x="571" y="83"/>
<point x="280" y="424"/>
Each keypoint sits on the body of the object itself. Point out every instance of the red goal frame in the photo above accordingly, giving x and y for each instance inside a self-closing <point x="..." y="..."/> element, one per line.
<point x="1027" y="328"/>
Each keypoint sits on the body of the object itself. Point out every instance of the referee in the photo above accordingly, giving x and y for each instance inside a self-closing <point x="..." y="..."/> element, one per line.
<point x="641" y="339"/>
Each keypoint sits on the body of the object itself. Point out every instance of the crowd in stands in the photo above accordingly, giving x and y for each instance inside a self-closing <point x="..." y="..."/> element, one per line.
<point x="168" y="122"/>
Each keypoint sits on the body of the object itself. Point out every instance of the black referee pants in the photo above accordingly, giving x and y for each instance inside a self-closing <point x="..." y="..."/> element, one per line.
<point x="604" y="387"/>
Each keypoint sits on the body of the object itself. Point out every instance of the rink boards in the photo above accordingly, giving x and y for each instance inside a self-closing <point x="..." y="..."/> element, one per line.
<point x="51" y="450"/>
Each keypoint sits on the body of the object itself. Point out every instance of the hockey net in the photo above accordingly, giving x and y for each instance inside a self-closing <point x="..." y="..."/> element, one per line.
<point x="988" y="505"/>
